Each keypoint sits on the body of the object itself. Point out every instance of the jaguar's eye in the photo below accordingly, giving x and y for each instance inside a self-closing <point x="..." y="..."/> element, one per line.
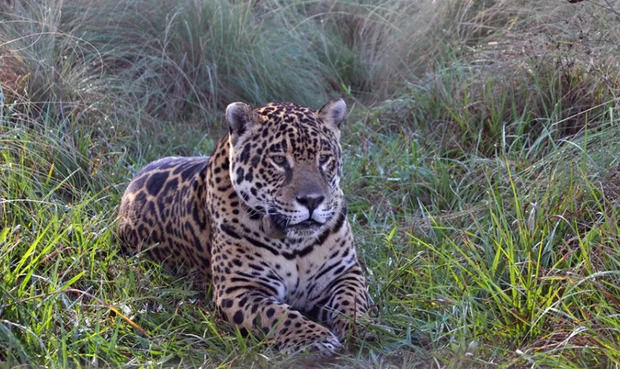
<point x="279" y="159"/>
<point x="323" y="159"/>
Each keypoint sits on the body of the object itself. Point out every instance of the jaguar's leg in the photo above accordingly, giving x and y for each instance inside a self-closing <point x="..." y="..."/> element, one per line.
<point x="254" y="309"/>
<point x="344" y="302"/>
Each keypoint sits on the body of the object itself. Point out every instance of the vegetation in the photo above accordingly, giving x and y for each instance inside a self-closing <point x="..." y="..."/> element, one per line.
<point x="482" y="173"/>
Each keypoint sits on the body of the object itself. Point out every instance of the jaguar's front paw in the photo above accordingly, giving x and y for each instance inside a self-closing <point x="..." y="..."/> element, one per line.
<point x="315" y="339"/>
<point x="326" y="346"/>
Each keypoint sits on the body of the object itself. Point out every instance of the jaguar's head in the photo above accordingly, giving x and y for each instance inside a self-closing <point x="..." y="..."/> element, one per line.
<point x="286" y="163"/>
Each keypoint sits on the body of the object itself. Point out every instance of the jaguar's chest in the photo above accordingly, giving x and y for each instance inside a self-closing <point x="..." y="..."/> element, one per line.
<point x="298" y="280"/>
<point x="305" y="273"/>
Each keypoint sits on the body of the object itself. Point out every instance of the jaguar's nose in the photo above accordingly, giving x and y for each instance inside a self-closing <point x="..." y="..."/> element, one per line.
<point x="310" y="201"/>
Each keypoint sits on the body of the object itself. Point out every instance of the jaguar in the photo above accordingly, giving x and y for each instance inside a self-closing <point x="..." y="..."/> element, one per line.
<point x="264" y="220"/>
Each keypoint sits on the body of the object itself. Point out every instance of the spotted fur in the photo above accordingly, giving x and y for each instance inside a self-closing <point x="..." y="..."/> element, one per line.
<point x="264" y="219"/>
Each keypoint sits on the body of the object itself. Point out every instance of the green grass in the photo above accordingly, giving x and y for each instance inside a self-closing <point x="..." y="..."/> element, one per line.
<point x="482" y="171"/>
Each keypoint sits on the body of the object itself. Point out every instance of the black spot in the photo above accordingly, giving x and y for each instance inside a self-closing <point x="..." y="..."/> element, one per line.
<point x="229" y="231"/>
<point x="339" y="270"/>
<point x="240" y="175"/>
<point x="225" y="164"/>
<point x="227" y="303"/>
<point x="155" y="182"/>
<point x="169" y="228"/>
<point x="270" y="312"/>
<point x="256" y="267"/>
<point x="341" y="218"/>
<point x="238" y="317"/>
<point x="325" y="270"/>
<point x="198" y="217"/>
<point x="245" y="154"/>
<point x="334" y="254"/>
<point x="306" y="251"/>
<point x="206" y="263"/>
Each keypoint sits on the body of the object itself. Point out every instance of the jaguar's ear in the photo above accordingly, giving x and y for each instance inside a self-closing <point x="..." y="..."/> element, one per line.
<point x="240" y="119"/>
<point x="333" y="112"/>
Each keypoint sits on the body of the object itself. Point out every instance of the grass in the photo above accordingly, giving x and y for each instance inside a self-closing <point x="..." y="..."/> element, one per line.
<point x="482" y="170"/>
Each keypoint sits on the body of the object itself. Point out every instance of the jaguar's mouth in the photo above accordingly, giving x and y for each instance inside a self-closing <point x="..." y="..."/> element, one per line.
<point x="308" y="223"/>
<point x="282" y="223"/>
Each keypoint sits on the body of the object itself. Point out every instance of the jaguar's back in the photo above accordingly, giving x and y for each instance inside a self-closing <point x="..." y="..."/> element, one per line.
<point x="162" y="212"/>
